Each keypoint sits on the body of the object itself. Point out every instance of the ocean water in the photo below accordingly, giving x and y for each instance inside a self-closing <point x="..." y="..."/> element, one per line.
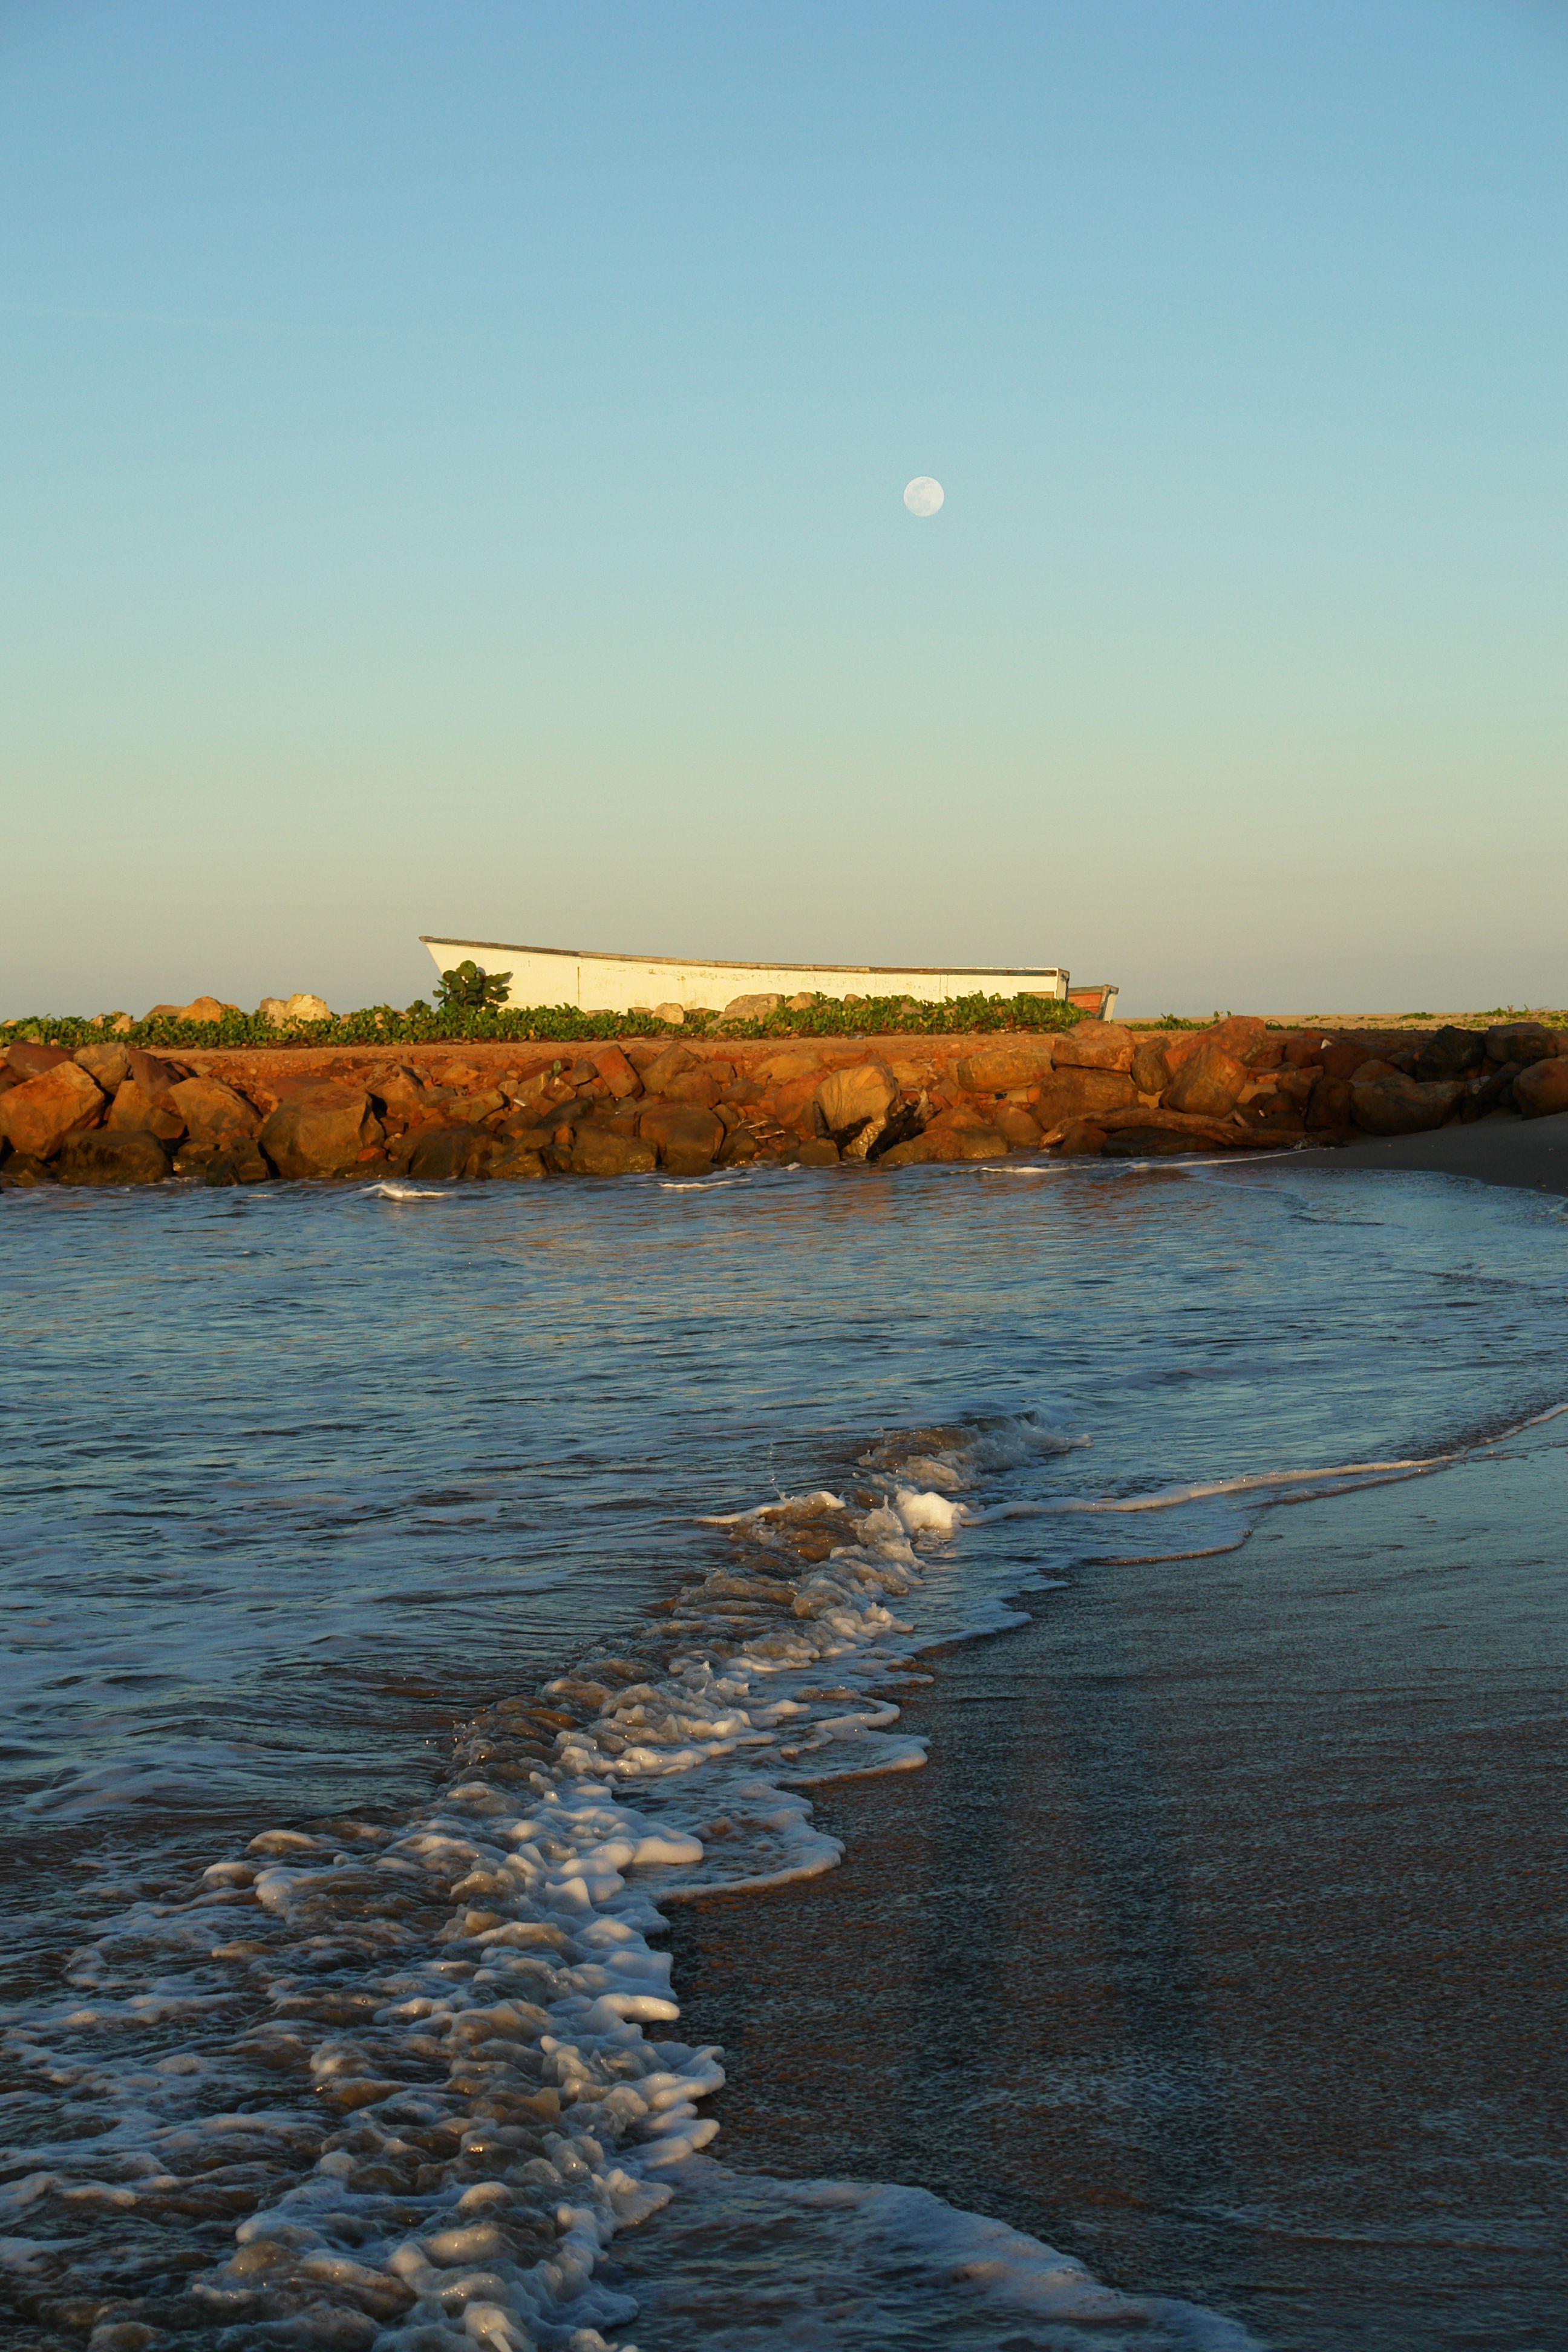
<point x="338" y="2009"/>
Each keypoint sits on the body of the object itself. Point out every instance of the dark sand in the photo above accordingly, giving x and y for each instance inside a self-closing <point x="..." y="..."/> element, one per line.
<point x="1531" y="1153"/>
<point x="1220" y="1942"/>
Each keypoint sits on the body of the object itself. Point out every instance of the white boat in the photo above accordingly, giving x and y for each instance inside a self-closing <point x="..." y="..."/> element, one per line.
<point x="622" y="983"/>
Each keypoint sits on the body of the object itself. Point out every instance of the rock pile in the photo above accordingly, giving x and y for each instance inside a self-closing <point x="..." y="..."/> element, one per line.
<point x="113" y="1114"/>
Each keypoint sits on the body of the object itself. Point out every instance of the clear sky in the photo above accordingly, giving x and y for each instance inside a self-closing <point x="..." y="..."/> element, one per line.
<point x="450" y="473"/>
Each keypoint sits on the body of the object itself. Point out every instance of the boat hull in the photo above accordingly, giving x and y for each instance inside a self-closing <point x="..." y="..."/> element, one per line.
<point x="616" y="983"/>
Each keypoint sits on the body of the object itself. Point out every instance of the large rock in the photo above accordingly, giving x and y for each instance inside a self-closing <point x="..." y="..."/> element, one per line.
<point x="685" y="1137"/>
<point x="784" y="1069"/>
<point x="673" y="1063"/>
<point x="1328" y="1103"/>
<point x="1150" y="1142"/>
<point x="30" y="1061"/>
<point x="616" y="1072"/>
<point x="515" y="1164"/>
<point x="38" y="1116"/>
<point x="1077" y="1094"/>
<point x="996" y="1069"/>
<point x="1095" y="1045"/>
<point x="205" y="1008"/>
<point x="1150" y="1072"/>
<point x="107" y="1065"/>
<point x="321" y="1132"/>
<point x="152" y="1072"/>
<point x="104" y="1159"/>
<point x="445" y="1154"/>
<point x="1022" y="1131"/>
<point x="134" y="1111"/>
<point x="1402" y="1106"/>
<point x="1543" y="1089"/>
<point x="1240" y="1034"/>
<point x="953" y="1143"/>
<point x="1210" y="1084"/>
<point x="752" y="1008"/>
<point x="1522" y="1041"/>
<point x="214" y="1113"/>
<point x="849" y="1098"/>
<point x="1449" y="1052"/>
<point x="599" y="1152"/>
<point x="238" y="1162"/>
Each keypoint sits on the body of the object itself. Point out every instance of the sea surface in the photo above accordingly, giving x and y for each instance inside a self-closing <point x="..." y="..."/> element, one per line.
<point x="302" y="1483"/>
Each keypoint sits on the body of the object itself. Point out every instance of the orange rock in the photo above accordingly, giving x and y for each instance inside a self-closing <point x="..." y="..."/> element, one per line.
<point x="1077" y="1094"/>
<point x="134" y="1111"/>
<point x="321" y="1132"/>
<point x="616" y="1072"/>
<point x="1543" y="1089"/>
<point x="1011" y="1062"/>
<point x="213" y="1113"/>
<point x="38" y="1116"/>
<point x="1095" y="1045"/>
<point x="684" y="1136"/>
<point x="1209" y="1083"/>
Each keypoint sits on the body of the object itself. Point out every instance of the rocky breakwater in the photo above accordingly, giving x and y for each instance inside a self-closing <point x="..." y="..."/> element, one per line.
<point x="112" y="1114"/>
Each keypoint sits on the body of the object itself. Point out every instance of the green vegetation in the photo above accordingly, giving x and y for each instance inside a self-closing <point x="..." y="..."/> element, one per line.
<point x="469" y="988"/>
<point x="424" y="1024"/>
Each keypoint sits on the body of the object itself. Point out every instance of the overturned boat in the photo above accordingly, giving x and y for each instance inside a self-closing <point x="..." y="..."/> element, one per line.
<point x="596" y="982"/>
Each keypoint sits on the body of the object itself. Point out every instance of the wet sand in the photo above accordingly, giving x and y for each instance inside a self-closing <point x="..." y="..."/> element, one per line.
<point x="1531" y="1153"/>
<point x="1219" y="1942"/>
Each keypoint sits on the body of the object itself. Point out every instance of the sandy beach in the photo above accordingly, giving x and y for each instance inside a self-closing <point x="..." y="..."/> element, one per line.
<point x="1531" y="1153"/>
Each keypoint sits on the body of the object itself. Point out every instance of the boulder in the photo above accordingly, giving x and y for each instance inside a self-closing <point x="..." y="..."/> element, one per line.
<point x="321" y="1132"/>
<point x="1011" y="1062"/>
<point x="685" y="1137"/>
<point x="1150" y="1071"/>
<point x="135" y="1111"/>
<point x="1489" y="1091"/>
<point x="214" y="1113"/>
<point x="1149" y="1142"/>
<point x="1402" y="1106"/>
<point x="104" y="1159"/>
<point x="1095" y="1045"/>
<point x="238" y="1162"/>
<point x="616" y="1072"/>
<point x="38" y="1116"/>
<point x="399" y="1093"/>
<point x="205" y="1008"/>
<point x="1080" y="1138"/>
<point x="1450" y="1053"/>
<point x="106" y="1065"/>
<point x="908" y="1154"/>
<point x="811" y="1151"/>
<point x="1209" y="1083"/>
<point x="152" y="1072"/>
<point x="671" y="1015"/>
<point x="702" y="1086"/>
<point x="953" y="1143"/>
<point x="445" y="1154"/>
<point x="1012" y="1120"/>
<point x="1367" y="1073"/>
<point x="1522" y="1041"/>
<point x="738" y="1146"/>
<point x="1329" y="1105"/>
<point x="599" y="1152"/>
<point x="846" y="1099"/>
<point x="752" y="1008"/>
<point x="514" y="1163"/>
<point x="673" y="1063"/>
<point x="794" y="1103"/>
<point x="1076" y="1094"/>
<point x="24" y="1168"/>
<point x="1541" y="1090"/>
<point x="30" y="1061"/>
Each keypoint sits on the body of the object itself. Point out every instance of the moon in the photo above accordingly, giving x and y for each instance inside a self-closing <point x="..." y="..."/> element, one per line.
<point x="923" y="496"/>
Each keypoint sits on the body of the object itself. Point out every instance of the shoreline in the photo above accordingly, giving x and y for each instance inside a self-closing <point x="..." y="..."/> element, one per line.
<point x="1526" y="1154"/>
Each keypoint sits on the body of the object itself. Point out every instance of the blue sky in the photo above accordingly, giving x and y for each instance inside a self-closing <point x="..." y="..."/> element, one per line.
<point x="450" y="471"/>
